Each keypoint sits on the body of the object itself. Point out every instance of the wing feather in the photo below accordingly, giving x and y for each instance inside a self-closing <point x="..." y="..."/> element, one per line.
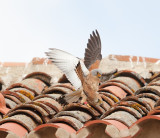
<point x="66" y="63"/>
<point x="93" y="50"/>
<point x="90" y="46"/>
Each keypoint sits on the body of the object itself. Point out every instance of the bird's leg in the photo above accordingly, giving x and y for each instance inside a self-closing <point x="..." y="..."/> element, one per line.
<point x="84" y="100"/>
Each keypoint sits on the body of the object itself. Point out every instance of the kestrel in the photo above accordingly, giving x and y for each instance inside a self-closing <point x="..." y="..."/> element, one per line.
<point x="84" y="76"/>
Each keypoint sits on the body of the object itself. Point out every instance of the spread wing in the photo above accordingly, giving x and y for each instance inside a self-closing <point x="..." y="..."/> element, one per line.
<point x="66" y="63"/>
<point x="93" y="51"/>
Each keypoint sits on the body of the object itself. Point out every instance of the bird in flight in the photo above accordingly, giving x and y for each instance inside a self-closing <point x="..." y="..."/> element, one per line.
<point x="84" y="76"/>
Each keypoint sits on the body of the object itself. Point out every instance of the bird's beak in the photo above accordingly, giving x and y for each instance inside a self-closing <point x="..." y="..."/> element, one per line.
<point x="99" y="75"/>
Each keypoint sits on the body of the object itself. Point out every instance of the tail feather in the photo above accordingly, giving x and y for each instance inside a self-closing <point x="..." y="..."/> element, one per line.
<point x="70" y="98"/>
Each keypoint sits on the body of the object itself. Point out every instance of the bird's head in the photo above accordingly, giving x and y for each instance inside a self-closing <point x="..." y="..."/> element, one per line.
<point x="97" y="73"/>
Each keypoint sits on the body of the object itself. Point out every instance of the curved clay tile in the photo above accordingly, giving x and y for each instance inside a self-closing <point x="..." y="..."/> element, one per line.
<point x="41" y="76"/>
<point x="13" y="130"/>
<point x="103" y="128"/>
<point x="146" y="127"/>
<point x="52" y="130"/>
<point x="122" y="86"/>
<point x="114" y="90"/>
<point x="127" y="81"/>
<point x="131" y="74"/>
<point x="57" y="89"/>
<point x="34" y="85"/>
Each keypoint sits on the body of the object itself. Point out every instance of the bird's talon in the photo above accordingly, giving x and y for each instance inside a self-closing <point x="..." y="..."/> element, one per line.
<point x="89" y="106"/>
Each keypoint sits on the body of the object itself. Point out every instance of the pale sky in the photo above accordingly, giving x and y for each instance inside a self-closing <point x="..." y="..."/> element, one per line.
<point x="126" y="27"/>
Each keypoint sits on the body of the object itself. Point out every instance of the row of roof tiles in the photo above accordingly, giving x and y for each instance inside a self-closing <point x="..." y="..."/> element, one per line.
<point x="31" y="108"/>
<point x="38" y="60"/>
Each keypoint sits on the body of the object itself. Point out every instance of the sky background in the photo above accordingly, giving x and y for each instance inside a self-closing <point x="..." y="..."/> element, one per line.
<point x="126" y="27"/>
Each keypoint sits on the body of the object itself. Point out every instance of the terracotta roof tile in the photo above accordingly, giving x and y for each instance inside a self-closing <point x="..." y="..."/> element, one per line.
<point x="129" y="105"/>
<point x="133" y="58"/>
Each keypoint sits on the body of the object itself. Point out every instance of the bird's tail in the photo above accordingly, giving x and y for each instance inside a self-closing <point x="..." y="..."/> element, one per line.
<point x="70" y="98"/>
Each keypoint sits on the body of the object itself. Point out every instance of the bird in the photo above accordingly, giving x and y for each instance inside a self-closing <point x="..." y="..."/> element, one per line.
<point x="83" y="75"/>
<point x="84" y="81"/>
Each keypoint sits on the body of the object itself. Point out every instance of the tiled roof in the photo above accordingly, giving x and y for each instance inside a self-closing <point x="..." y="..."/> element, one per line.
<point x="30" y="108"/>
